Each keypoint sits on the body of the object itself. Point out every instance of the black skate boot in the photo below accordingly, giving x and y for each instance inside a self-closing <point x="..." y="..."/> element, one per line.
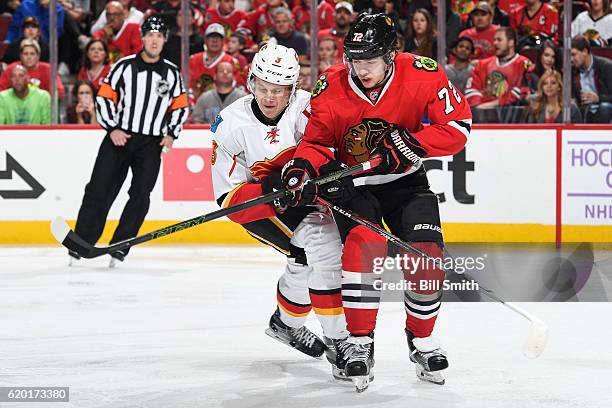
<point x="116" y="257"/>
<point x="355" y="359"/>
<point x="428" y="357"/>
<point x="73" y="258"/>
<point x="299" y="338"/>
<point x="332" y="357"/>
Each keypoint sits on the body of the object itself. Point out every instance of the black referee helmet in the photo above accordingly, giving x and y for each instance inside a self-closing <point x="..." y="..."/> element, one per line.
<point x="154" y="24"/>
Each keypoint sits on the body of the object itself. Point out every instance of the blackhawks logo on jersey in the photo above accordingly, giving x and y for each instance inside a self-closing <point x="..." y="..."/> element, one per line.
<point x="360" y="139"/>
<point x="320" y="86"/>
<point x="425" y="63"/>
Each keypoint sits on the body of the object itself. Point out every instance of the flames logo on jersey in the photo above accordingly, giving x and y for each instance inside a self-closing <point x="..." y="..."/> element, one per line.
<point x="272" y="135"/>
<point x="264" y="167"/>
<point x="497" y="84"/>
<point x="319" y="86"/>
<point x="425" y="63"/>
<point x="361" y="138"/>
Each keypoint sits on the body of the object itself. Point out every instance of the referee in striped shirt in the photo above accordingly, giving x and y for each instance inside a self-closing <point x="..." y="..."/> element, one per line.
<point x="142" y="104"/>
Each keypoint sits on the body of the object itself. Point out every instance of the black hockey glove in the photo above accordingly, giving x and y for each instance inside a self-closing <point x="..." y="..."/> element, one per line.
<point x="338" y="191"/>
<point x="296" y="177"/>
<point x="399" y="152"/>
<point x="272" y="183"/>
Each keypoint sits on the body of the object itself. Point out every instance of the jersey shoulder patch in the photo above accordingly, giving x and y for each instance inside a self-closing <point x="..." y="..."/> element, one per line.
<point x="215" y="125"/>
<point x="425" y="64"/>
<point x="320" y="86"/>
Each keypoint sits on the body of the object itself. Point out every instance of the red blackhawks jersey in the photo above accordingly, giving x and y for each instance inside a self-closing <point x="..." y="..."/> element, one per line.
<point x="483" y="41"/>
<point x="126" y="42"/>
<point x="544" y="21"/>
<point x="346" y="123"/>
<point x="258" y="21"/>
<point x="229" y="21"/>
<point x="202" y="74"/>
<point x="492" y="79"/>
<point x="325" y="13"/>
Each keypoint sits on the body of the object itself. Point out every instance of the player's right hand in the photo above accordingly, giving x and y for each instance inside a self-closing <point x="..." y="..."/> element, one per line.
<point x="398" y="151"/>
<point x="272" y="183"/>
<point x="296" y="178"/>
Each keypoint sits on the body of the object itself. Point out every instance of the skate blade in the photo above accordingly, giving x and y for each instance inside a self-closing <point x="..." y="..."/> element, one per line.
<point x="433" y="377"/>
<point x="341" y="377"/>
<point x="273" y="334"/>
<point x="361" y="383"/>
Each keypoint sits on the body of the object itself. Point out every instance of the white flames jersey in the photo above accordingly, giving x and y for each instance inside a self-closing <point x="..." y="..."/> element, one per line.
<point x="245" y="150"/>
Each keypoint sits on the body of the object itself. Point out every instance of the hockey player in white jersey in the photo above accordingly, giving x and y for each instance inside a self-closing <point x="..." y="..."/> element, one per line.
<point x="252" y="139"/>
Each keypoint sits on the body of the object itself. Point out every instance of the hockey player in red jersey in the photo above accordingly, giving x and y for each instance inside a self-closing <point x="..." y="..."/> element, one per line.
<point x="374" y="105"/>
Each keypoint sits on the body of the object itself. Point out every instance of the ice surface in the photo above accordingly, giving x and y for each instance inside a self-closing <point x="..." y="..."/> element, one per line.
<point x="184" y="327"/>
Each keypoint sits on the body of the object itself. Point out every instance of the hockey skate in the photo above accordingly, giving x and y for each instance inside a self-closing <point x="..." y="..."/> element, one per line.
<point x="331" y="355"/>
<point x="300" y="338"/>
<point x="428" y="357"/>
<point x="73" y="258"/>
<point x="116" y="257"/>
<point x="355" y="359"/>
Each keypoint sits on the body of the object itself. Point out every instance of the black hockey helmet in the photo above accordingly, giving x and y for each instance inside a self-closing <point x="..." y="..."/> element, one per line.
<point x="372" y="35"/>
<point x="155" y="24"/>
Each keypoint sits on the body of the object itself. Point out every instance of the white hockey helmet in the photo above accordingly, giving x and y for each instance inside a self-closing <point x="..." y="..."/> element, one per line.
<point x="275" y="64"/>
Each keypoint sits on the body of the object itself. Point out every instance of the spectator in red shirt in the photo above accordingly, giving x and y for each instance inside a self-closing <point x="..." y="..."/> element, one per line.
<point x="342" y="18"/>
<point x="535" y="18"/>
<point x="121" y="37"/>
<point x="483" y="32"/>
<point x="235" y="45"/>
<point x="38" y="72"/>
<point x="500" y="80"/>
<point x="226" y="14"/>
<point x="325" y="13"/>
<point x="96" y="64"/>
<point x="203" y="65"/>
<point x="260" y="21"/>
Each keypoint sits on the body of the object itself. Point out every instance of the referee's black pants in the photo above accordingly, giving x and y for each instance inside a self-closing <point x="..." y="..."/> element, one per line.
<point x="141" y="154"/>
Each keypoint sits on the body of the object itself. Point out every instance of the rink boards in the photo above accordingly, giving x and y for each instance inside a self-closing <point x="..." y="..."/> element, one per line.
<point x="520" y="184"/>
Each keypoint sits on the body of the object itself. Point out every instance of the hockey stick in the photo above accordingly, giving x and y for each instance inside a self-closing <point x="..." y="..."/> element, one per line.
<point x="68" y="238"/>
<point x="538" y="331"/>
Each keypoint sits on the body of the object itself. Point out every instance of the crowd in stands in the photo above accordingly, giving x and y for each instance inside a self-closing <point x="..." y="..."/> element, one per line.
<point x="504" y="55"/>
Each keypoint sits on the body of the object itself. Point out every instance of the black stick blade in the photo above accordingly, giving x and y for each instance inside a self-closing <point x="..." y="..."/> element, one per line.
<point x="68" y="238"/>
